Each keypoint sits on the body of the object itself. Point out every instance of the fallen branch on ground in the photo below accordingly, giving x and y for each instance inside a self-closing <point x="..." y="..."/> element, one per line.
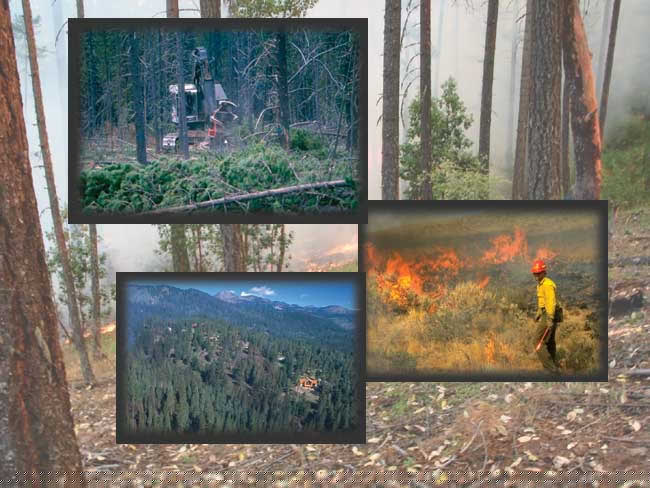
<point x="248" y="196"/>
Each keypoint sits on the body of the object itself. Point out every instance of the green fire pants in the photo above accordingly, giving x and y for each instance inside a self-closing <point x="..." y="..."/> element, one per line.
<point x="546" y="353"/>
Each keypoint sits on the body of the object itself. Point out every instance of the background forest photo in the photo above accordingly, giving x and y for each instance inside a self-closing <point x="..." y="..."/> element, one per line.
<point x="271" y="119"/>
<point x="222" y="359"/>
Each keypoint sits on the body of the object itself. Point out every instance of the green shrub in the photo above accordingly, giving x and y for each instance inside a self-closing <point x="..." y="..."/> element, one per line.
<point x="303" y="140"/>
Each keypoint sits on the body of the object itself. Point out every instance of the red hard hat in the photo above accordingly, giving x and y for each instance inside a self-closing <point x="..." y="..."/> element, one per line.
<point x="538" y="266"/>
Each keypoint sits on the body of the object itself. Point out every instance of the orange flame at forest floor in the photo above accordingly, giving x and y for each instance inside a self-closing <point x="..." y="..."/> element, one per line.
<point x="505" y="248"/>
<point x="405" y="280"/>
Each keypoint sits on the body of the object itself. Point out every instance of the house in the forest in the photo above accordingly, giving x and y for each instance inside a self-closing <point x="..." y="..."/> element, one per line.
<point x="308" y="382"/>
<point x="281" y="358"/>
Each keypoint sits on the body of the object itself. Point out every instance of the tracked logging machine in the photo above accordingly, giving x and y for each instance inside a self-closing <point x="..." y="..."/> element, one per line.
<point x="209" y="113"/>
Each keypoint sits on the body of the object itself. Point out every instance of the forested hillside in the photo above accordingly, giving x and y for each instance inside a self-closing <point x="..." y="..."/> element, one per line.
<point x="317" y="325"/>
<point x="206" y="376"/>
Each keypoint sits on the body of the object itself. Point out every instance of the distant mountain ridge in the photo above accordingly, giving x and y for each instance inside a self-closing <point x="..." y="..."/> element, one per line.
<point x="332" y="324"/>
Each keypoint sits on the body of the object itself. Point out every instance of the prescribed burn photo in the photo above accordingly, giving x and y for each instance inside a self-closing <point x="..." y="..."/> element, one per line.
<point x="484" y="292"/>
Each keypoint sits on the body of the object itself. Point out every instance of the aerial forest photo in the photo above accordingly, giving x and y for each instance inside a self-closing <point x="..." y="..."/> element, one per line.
<point x="218" y="359"/>
<point x="477" y="291"/>
<point x="181" y="119"/>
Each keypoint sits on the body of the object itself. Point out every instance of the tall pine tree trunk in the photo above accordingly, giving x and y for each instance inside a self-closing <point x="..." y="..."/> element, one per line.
<point x="441" y="25"/>
<point x="37" y="438"/>
<point x="519" y="179"/>
<point x="138" y="99"/>
<point x="233" y="255"/>
<point x="424" y="189"/>
<point x="390" y="103"/>
<point x="602" y="52"/>
<point x="583" y="106"/>
<point x="172" y="9"/>
<point x="180" y="258"/>
<point x="73" y="306"/>
<point x="513" y="83"/>
<point x="235" y="259"/>
<point x="543" y="144"/>
<point x="604" y="95"/>
<point x="94" y="272"/>
<point x="183" y="144"/>
<point x="210" y="8"/>
<point x="488" y="77"/>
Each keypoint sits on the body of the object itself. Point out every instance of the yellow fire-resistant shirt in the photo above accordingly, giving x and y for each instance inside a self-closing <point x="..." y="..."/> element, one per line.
<point x="546" y="296"/>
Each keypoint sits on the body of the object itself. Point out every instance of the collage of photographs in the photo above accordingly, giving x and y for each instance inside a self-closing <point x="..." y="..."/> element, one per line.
<point x="384" y="243"/>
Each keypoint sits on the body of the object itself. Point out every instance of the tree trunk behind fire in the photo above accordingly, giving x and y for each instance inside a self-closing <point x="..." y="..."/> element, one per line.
<point x="37" y="436"/>
<point x="584" y="105"/>
<point x="390" y="103"/>
<point x="488" y="77"/>
<point x="519" y="179"/>
<point x="604" y="94"/>
<point x="73" y="306"/>
<point x="543" y="141"/>
<point x="424" y="191"/>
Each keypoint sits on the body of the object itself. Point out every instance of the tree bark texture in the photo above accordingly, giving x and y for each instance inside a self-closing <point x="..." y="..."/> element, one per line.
<point x="210" y="8"/>
<point x="283" y="88"/>
<point x="488" y="77"/>
<point x="36" y="426"/>
<point x="602" y="52"/>
<point x="519" y="180"/>
<point x="172" y="9"/>
<point x="138" y="99"/>
<point x="583" y="104"/>
<point x="604" y="94"/>
<point x="424" y="191"/>
<point x="80" y="9"/>
<point x="73" y="306"/>
<point x="543" y="144"/>
<point x="390" y="103"/>
<point x="233" y="255"/>
<point x="565" y="173"/>
<point x="513" y="83"/>
<point x="180" y="259"/>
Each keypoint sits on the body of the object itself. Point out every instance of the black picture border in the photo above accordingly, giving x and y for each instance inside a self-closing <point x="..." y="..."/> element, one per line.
<point x="599" y="207"/>
<point x="353" y="436"/>
<point x="76" y="27"/>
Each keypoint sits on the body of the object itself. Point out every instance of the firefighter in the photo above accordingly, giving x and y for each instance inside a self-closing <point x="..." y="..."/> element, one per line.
<point x="546" y="317"/>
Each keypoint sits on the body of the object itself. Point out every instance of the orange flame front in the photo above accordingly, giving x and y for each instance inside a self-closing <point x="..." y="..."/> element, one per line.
<point x="406" y="280"/>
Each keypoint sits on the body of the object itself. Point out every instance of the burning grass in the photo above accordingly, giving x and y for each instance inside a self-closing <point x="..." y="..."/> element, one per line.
<point x="449" y="310"/>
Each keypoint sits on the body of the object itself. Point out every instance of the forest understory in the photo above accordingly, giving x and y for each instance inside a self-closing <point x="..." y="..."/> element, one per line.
<point x="435" y="432"/>
<point x="122" y="186"/>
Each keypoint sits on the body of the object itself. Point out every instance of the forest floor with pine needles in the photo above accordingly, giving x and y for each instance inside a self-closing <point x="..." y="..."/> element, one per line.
<point x="424" y="434"/>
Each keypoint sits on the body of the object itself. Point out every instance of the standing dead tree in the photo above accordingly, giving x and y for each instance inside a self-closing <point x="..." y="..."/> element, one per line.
<point x="488" y="77"/>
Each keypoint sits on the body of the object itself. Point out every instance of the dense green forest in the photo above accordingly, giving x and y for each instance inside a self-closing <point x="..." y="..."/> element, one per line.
<point x="205" y="376"/>
<point x="262" y="111"/>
